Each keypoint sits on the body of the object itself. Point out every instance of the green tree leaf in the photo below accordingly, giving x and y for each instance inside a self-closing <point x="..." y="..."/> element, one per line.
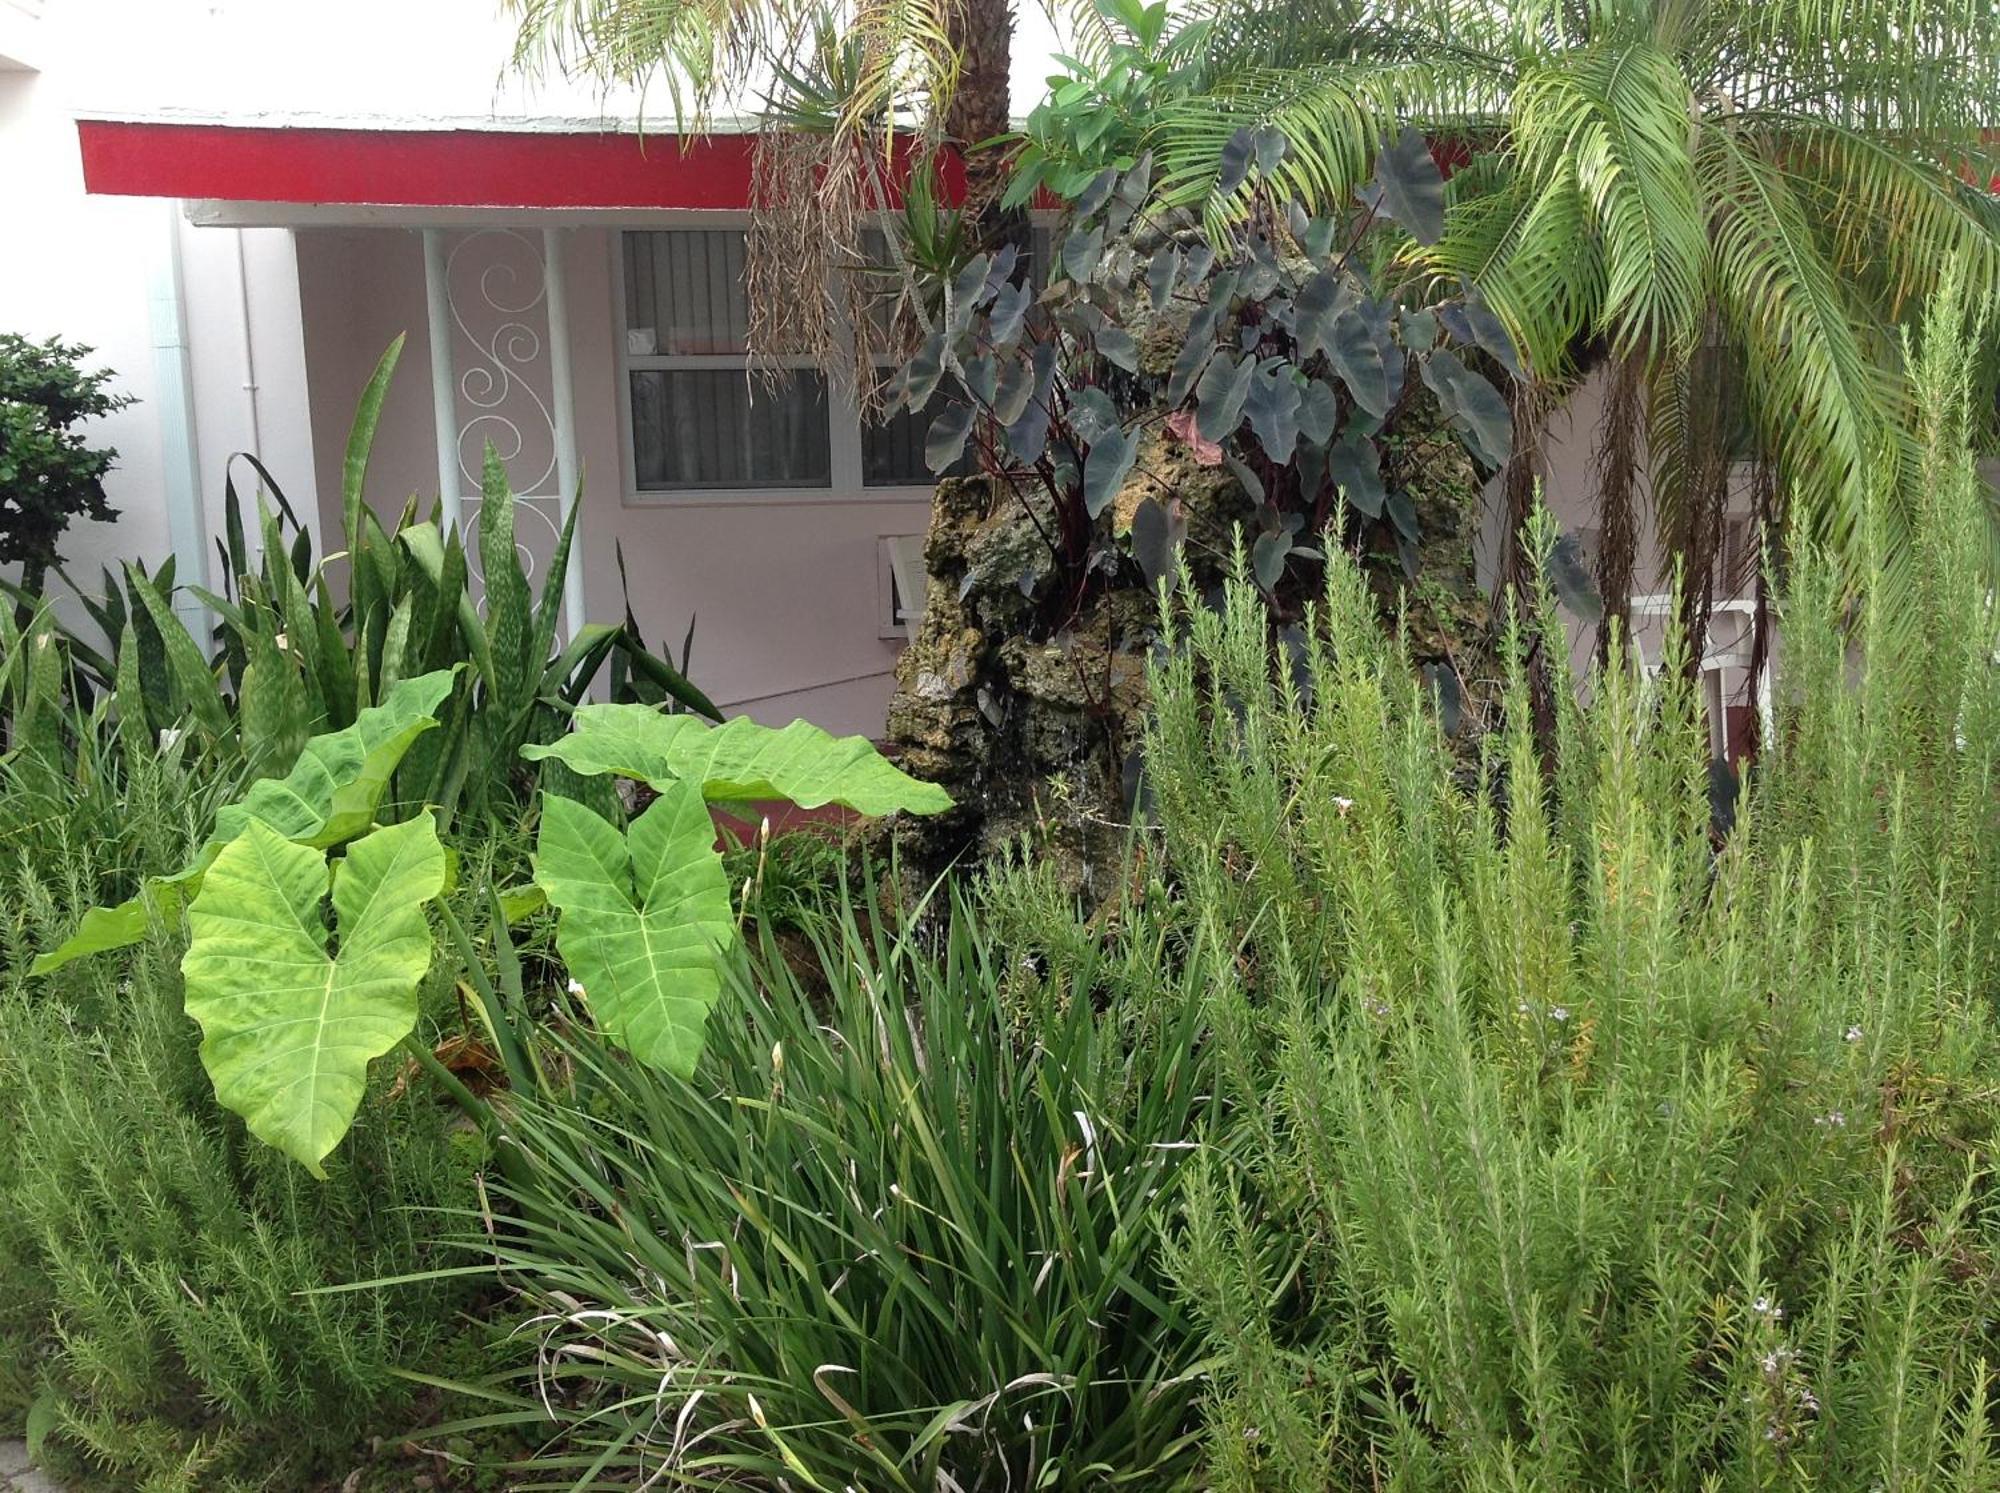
<point x="288" y="1029"/>
<point x="741" y="760"/>
<point x="643" y="919"/>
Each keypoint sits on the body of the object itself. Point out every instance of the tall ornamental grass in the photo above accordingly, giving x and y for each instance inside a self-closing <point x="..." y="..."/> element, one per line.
<point x="1574" y="1139"/>
<point x="896" y="1234"/>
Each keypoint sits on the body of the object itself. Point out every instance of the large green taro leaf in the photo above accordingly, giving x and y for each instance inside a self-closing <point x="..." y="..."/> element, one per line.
<point x="288" y="1029"/>
<point x="741" y="760"/>
<point x="643" y="919"/>
<point x="330" y="795"/>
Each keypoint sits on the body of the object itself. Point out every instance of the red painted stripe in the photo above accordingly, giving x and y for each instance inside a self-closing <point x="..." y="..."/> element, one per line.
<point x="423" y="168"/>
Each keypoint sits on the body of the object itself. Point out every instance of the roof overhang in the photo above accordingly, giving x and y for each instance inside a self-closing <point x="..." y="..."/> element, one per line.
<point x="576" y="169"/>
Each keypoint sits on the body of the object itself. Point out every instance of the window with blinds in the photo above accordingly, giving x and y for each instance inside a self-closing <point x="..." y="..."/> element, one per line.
<point x="700" y="420"/>
<point x="699" y="417"/>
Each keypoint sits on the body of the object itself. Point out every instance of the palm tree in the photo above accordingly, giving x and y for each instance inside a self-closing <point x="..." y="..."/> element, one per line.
<point x="1727" y="200"/>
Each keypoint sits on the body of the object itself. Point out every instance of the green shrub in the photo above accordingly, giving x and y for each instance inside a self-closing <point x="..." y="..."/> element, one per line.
<point x="157" y="1265"/>
<point x="878" y="1242"/>
<point x="1573" y="1145"/>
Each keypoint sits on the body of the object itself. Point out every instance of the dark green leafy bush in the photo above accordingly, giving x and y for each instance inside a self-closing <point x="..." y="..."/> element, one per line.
<point x="1280" y="345"/>
<point x="49" y="473"/>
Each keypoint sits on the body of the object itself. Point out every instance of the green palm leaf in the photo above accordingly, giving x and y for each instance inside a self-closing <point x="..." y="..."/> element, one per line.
<point x="1615" y="121"/>
<point x="1829" y="406"/>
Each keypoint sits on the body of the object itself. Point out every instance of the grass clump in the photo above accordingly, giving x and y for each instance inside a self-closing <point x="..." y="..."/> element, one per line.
<point x="878" y="1241"/>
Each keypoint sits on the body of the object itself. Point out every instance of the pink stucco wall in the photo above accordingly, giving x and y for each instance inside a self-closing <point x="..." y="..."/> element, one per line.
<point x="783" y="589"/>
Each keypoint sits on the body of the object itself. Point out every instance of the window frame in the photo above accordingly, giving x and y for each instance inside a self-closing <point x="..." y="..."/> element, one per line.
<point x="845" y="483"/>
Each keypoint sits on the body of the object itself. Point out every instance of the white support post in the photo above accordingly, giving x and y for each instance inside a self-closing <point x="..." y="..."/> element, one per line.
<point x="180" y="466"/>
<point x="444" y="380"/>
<point x="563" y="400"/>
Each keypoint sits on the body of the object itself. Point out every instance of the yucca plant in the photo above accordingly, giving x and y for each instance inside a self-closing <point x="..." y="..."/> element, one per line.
<point x="1582" y="1139"/>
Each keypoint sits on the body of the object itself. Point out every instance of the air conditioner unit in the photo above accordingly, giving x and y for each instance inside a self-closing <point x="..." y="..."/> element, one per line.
<point x="901" y="584"/>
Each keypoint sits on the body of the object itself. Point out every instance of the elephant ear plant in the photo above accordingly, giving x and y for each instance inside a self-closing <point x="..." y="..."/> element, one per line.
<point x="292" y="1012"/>
<point x="644" y="914"/>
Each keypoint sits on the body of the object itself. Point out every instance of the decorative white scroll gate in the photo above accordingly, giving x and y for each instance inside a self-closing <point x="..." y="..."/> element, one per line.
<point x="500" y="373"/>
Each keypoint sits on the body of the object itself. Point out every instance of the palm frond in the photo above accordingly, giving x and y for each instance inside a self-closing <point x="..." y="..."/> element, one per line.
<point x="1887" y="212"/>
<point x="1830" y="407"/>
<point x="1614" y="120"/>
<point x="1334" y="118"/>
<point x="895" y="62"/>
<point x="1530" y="251"/>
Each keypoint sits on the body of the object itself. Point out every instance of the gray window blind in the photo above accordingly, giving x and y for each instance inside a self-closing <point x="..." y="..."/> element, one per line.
<point x="720" y="427"/>
<point x="699" y="420"/>
<point x="684" y="293"/>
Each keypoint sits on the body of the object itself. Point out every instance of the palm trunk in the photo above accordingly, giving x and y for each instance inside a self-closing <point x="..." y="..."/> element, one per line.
<point x="1617" y="483"/>
<point x="983" y="33"/>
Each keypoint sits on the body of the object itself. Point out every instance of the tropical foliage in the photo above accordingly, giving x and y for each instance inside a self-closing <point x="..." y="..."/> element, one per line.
<point x="49" y="472"/>
<point x="1785" y="180"/>
<point x="289" y="1027"/>
<point x="1277" y="355"/>
<point x="1396" y="1124"/>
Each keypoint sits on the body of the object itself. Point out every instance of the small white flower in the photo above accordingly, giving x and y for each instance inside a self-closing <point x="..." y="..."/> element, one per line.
<point x="576" y="987"/>
<point x="1854" y="1034"/>
<point x="1764" y="1306"/>
<point x="1833" y="1119"/>
<point x="1342" y="804"/>
<point x="1559" y="1013"/>
<point x="169" y="735"/>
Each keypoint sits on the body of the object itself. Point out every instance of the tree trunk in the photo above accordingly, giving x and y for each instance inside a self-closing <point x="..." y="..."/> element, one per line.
<point x="1617" y="481"/>
<point x="983" y="33"/>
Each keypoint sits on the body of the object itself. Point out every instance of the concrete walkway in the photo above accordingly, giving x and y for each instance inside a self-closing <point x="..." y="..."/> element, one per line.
<point x="16" y="1476"/>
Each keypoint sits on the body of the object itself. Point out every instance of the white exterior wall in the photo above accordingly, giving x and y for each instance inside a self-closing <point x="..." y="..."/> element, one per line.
<point x="87" y="268"/>
<point x="785" y="591"/>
